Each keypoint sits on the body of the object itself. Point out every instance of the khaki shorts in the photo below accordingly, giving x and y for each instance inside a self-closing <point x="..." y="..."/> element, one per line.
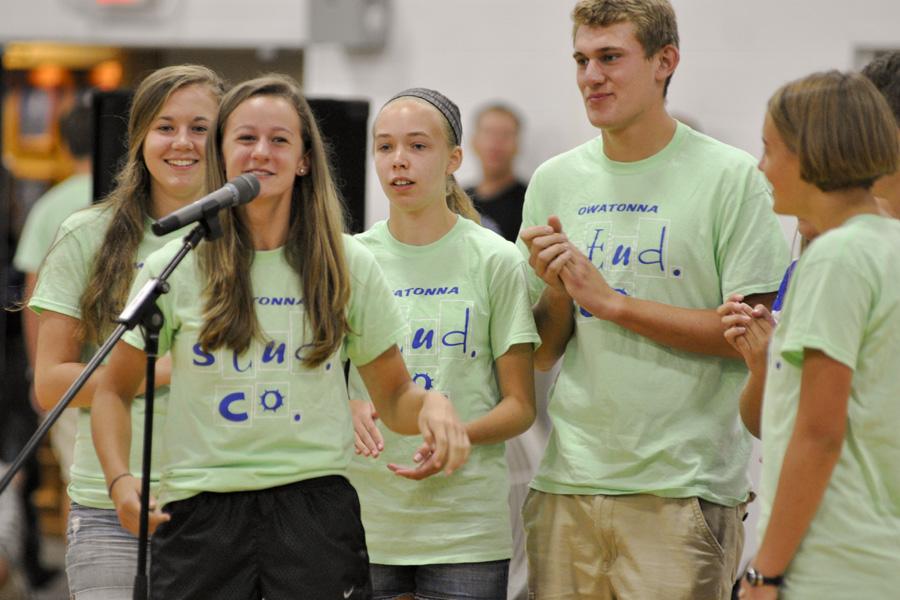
<point x="635" y="547"/>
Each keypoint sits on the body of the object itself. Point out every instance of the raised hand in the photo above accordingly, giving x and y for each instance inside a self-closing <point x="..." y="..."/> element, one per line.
<point x="549" y="249"/>
<point x="747" y="330"/>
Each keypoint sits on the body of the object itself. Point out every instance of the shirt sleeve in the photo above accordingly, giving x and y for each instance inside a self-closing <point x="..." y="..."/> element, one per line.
<point x="375" y="320"/>
<point x="64" y="274"/>
<point x="828" y="305"/>
<point x="511" y="319"/>
<point x="751" y="253"/>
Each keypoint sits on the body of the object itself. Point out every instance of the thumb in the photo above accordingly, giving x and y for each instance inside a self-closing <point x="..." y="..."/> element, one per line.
<point x="427" y="433"/>
<point x="554" y="222"/>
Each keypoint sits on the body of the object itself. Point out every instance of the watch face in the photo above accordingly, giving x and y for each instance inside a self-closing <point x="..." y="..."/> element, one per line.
<point x="753" y="577"/>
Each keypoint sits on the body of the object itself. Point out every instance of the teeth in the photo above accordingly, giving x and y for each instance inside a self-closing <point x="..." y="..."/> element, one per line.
<point x="402" y="182"/>
<point x="181" y="163"/>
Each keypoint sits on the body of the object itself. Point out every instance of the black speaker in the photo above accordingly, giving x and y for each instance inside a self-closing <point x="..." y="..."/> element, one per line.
<point x="342" y="123"/>
<point x="110" y="114"/>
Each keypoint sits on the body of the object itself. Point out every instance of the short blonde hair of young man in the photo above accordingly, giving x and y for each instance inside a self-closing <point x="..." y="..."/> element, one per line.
<point x="840" y="127"/>
<point x="654" y="21"/>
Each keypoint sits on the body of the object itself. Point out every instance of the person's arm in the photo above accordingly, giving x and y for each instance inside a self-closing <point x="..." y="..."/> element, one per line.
<point x="515" y="412"/>
<point x="749" y="330"/>
<point x="750" y="403"/>
<point x="409" y="409"/>
<point x="811" y="455"/>
<point x="689" y="329"/>
<point x="111" y="432"/>
<point x="555" y="322"/>
<point x="553" y="312"/>
<point x="58" y="362"/>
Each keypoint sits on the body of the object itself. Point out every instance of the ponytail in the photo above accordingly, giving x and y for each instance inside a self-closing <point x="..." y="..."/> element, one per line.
<point x="459" y="202"/>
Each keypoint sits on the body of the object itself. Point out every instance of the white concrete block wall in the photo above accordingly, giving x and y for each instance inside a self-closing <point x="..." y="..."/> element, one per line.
<point x="734" y="55"/>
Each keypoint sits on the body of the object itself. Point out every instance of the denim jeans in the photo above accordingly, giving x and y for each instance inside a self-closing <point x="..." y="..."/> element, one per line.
<point x="101" y="557"/>
<point x="475" y="581"/>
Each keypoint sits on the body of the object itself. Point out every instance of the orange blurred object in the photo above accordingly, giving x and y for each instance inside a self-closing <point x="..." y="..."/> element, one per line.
<point x="107" y="75"/>
<point x="49" y="77"/>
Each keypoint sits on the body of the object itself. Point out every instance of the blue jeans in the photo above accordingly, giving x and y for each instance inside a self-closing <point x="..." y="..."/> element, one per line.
<point x="470" y="581"/>
<point x="101" y="557"/>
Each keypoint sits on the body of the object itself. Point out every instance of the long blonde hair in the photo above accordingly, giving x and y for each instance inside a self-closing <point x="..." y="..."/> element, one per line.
<point x="113" y="271"/>
<point x="314" y="247"/>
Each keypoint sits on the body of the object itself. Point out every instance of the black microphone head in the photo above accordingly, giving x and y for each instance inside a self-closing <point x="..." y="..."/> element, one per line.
<point x="247" y="186"/>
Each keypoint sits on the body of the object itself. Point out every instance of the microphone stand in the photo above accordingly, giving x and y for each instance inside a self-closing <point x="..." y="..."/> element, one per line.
<point x="142" y="310"/>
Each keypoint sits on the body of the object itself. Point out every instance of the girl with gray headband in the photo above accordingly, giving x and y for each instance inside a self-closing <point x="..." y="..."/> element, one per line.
<point x="471" y="336"/>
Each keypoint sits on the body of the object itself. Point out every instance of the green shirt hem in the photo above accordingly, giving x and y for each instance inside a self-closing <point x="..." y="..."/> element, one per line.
<point x="376" y="558"/>
<point x="170" y="494"/>
<point x="684" y="492"/>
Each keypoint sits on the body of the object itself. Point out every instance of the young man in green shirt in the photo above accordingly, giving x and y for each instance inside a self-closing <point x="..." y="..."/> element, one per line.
<point x="635" y="237"/>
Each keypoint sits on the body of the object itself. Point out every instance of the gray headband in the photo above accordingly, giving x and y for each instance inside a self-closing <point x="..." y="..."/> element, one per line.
<point x="441" y="102"/>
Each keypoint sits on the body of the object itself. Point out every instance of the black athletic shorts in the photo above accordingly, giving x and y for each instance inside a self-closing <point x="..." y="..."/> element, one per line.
<point x="304" y="540"/>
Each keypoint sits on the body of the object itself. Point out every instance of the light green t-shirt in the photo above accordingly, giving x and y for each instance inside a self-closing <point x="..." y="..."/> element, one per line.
<point x="466" y="302"/>
<point x="685" y="227"/>
<point x="844" y="300"/>
<point x="46" y="216"/>
<point x="61" y="282"/>
<point x="262" y="419"/>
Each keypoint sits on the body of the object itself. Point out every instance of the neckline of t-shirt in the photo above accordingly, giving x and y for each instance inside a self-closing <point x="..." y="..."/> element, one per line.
<point x="268" y="256"/>
<point x="645" y="164"/>
<point x="414" y="250"/>
<point x="866" y="217"/>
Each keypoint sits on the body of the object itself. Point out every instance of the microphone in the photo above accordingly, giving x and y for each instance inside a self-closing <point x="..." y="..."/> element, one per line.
<point x="240" y="190"/>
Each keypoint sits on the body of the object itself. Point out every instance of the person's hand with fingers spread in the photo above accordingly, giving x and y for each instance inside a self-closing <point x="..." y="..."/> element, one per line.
<point x="368" y="440"/>
<point x="424" y="462"/>
<point x="445" y="443"/>
<point x="125" y="492"/>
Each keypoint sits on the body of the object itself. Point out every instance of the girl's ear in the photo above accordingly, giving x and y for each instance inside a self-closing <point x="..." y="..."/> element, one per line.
<point x="303" y="165"/>
<point x="455" y="161"/>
